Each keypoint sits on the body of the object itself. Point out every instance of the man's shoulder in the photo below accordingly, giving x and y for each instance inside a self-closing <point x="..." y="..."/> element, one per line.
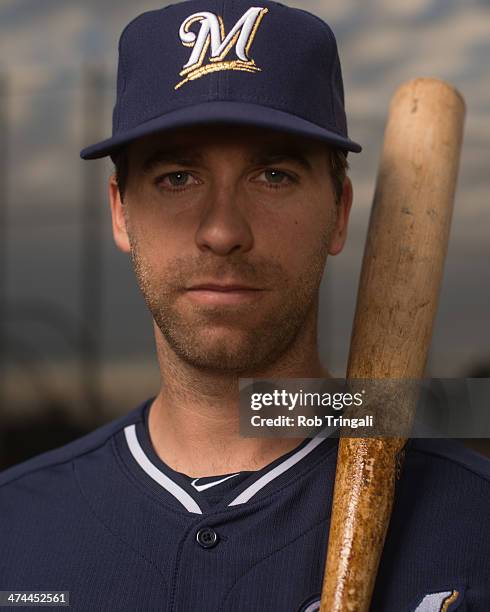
<point x="445" y="479"/>
<point x="451" y="456"/>
<point x="63" y="455"/>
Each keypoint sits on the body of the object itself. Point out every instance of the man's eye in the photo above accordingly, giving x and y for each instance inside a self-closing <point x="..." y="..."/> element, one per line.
<point x="274" y="177"/>
<point x="177" y="179"/>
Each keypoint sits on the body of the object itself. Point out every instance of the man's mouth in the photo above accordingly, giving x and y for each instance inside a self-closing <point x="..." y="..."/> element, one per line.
<point x="220" y="294"/>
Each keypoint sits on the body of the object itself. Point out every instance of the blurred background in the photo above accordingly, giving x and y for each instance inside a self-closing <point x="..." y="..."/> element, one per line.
<point x="76" y="344"/>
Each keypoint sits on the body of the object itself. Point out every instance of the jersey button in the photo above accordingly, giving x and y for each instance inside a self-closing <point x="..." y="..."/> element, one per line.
<point x="207" y="537"/>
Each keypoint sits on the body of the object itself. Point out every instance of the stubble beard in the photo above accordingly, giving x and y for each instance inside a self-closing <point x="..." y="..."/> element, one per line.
<point x="222" y="340"/>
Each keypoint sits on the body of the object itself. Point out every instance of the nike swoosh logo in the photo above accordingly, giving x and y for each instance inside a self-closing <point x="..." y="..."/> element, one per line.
<point x="208" y="485"/>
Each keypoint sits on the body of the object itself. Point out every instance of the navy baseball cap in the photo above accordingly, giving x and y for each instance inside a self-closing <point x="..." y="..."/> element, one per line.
<point x="227" y="61"/>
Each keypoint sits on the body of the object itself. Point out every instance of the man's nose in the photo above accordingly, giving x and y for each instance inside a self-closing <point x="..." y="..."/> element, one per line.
<point x="223" y="226"/>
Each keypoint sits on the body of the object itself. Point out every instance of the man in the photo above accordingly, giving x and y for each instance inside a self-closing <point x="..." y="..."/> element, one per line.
<point x="230" y="143"/>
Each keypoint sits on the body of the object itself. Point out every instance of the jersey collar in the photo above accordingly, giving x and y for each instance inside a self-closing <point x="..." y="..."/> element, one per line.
<point x="144" y="461"/>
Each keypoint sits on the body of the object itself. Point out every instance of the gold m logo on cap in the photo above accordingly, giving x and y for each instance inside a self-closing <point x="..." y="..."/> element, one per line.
<point x="212" y="34"/>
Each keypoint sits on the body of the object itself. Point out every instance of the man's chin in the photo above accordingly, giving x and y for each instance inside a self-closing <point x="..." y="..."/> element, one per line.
<point x="236" y="344"/>
<point x="222" y="351"/>
<point x="220" y="363"/>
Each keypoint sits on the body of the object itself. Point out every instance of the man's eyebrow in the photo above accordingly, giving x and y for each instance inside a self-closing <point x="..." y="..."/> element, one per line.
<point x="268" y="158"/>
<point x="181" y="157"/>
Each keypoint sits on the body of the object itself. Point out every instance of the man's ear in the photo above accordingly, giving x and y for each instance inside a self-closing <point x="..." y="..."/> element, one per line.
<point x="339" y="235"/>
<point x="119" y="229"/>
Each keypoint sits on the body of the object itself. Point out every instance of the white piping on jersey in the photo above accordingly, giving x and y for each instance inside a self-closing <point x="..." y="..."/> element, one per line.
<point x="313" y="607"/>
<point x="264" y="480"/>
<point x="158" y="476"/>
<point x="185" y="499"/>
<point x="208" y="485"/>
<point x="434" y="601"/>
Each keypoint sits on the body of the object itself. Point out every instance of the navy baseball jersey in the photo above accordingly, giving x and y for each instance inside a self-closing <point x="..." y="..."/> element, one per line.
<point x="105" y="519"/>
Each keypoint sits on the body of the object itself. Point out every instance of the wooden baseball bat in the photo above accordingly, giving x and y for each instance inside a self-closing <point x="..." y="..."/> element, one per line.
<point x="396" y="306"/>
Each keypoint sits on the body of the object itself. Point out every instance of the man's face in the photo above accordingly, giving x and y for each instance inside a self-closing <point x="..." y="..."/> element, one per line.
<point x="229" y="229"/>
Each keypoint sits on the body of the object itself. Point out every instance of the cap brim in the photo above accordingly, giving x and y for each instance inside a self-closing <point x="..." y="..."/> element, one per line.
<point x="221" y="112"/>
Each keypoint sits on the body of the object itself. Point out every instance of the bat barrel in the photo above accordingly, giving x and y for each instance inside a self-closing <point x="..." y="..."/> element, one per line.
<point x="396" y="305"/>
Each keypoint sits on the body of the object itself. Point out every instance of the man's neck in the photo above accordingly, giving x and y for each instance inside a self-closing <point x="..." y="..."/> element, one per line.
<point x="194" y="420"/>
